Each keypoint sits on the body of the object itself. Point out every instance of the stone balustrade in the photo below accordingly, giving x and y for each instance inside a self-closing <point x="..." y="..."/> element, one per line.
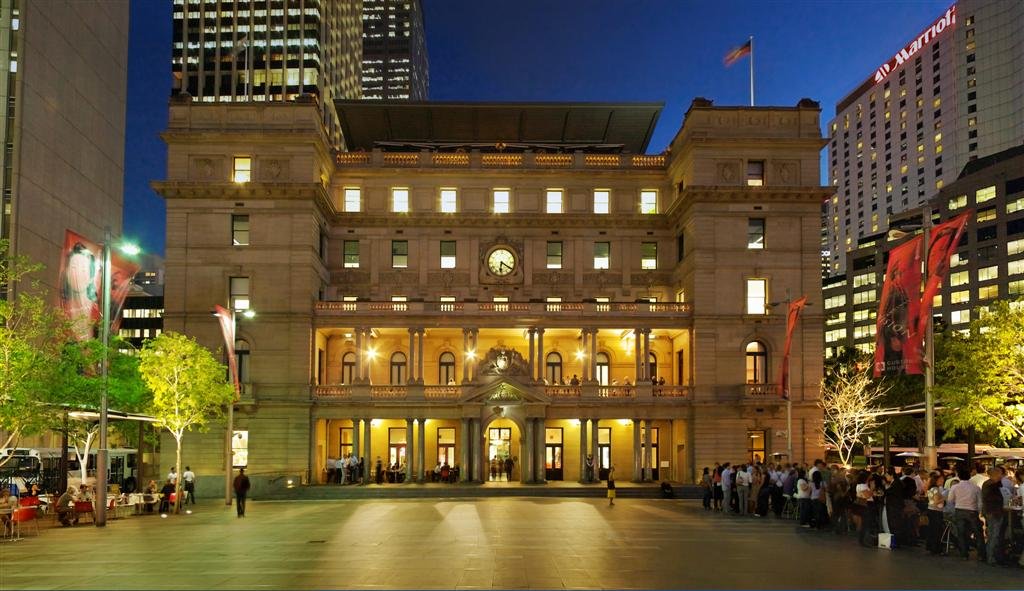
<point x="761" y="390"/>
<point x="564" y="309"/>
<point x="477" y="160"/>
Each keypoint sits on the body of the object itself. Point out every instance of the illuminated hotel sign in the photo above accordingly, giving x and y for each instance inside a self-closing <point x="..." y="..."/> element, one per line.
<point x="927" y="36"/>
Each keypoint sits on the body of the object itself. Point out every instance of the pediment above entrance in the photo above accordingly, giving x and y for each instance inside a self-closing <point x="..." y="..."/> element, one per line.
<point x="505" y="390"/>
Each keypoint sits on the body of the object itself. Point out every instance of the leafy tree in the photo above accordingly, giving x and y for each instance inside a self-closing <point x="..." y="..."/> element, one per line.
<point x="849" y="397"/>
<point x="189" y="387"/>
<point x="31" y="336"/>
<point x="980" y="375"/>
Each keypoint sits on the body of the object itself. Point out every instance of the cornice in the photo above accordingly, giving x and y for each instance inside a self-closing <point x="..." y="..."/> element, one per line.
<point x="558" y="221"/>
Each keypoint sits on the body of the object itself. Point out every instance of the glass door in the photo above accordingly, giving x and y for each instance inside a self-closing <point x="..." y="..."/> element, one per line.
<point x="654" y="450"/>
<point x="604" y="452"/>
<point x="553" y="454"/>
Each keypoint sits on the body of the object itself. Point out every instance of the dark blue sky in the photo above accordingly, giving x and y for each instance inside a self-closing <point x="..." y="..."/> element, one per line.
<point x="578" y="50"/>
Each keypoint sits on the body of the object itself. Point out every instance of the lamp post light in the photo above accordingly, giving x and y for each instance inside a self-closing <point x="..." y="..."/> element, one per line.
<point x="232" y="316"/>
<point x="789" y="381"/>
<point x="102" y="454"/>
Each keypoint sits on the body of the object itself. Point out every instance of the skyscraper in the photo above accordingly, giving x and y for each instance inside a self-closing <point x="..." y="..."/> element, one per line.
<point x="394" y="50"/>
<point x="951" y="95"/>
<point x="63" y="86"/>
<point x="268" y="50"/>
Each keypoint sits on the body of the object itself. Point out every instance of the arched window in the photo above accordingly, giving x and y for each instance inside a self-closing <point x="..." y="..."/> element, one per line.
<point x="242" y="359"/>
<point x="757" y="363"/>
<point x="554" y="368"/>
<point x="348" y="368"/>
<point x="603" y="369"/>
<point x="446" y="369"/>
<point x="652" y="366"/>
<point x="397" y="368"/>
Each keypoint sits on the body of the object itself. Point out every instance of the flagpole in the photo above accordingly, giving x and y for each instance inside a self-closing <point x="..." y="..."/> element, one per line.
<point x="751" y="70"/>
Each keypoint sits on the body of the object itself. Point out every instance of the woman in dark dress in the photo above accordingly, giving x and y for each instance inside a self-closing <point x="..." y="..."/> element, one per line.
<point x="894" y="507"/>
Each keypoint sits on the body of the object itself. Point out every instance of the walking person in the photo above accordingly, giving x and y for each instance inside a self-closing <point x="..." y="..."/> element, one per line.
<point x="936" y="505"/>
<point x="706" y="485"/>
<point x="611" y="486"/>
<point x="190" y="485"/>
<point x="380" y="471"/>
<point x="241" y="486"/>
<point x="995" y="515"/>
<point x="509" y="464"/>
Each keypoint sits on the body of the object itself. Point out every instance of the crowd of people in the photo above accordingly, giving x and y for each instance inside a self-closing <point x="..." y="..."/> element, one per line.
<point x="978" y="509"/>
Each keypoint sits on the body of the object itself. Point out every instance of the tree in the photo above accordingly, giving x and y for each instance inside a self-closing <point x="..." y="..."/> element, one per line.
<point x="849" y="397"/>
<point x="31" y="336"/>
<point x="980" y="375"/>
<point x="189" y="387"/>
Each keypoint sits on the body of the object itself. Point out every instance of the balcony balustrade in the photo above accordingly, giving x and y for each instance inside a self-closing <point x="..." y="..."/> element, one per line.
<point x="477" y="160"/>
<point x="562" y="309"/>
<point x="761" y="390"/>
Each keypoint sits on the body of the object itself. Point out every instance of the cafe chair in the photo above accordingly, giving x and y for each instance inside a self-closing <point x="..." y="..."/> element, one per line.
<point x="83" y="508"/>
<point x="23" y="515"/>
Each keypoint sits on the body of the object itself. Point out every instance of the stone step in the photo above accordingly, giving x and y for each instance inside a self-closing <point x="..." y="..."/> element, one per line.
<point x="496" y="490"/>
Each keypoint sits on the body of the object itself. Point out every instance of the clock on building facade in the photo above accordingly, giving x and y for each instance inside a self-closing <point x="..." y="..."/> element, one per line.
<point x="501" y="262"/>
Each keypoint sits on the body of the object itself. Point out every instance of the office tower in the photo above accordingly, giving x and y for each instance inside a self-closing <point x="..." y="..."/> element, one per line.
<point x="63" y="85"/>
<point x="951" y="95"/>
<point x="394" y="50"/>
<point x="268" y="50"/>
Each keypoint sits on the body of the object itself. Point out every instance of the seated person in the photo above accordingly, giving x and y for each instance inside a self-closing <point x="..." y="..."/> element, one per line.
<point x="165" y="499"/>
<point x="65" y="508"/>
<point x="446" y="472"/>
<point x="8" y="505"/>
<point x="149" y="496"/>
<point x="84" y="493"/>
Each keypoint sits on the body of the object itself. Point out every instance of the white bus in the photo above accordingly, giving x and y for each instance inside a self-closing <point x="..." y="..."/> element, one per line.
<point x="42" y="466"/>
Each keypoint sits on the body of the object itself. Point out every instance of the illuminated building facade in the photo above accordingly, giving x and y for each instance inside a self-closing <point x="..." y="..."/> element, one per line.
<point x="479" y="281"/>
<point x="394" y="50"/>
<point x="951" y="95"/>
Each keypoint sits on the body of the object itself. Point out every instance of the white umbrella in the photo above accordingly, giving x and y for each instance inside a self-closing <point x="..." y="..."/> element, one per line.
<point x="908" y="454"/>
<point x="952" y="459"/>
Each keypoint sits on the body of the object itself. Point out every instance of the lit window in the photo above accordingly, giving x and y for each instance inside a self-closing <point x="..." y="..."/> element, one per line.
<point x="985" y="194"/>
<point x="988" y="273"/>
<point x="602" y="255"/>
<point x="757" y="292"/>
<point x="240" y="230"/>
<point x="648" y="201"/>
<point x="602" y="201"/>
<point x="239" y="293"/>
<point x="648" y="255"/>
<point x="554" y="256"/>
<point x="447" y="254"/>
<point x="502" y="202"/>
<point x="960" y="316"/>
<point x="755" y="234"/>
<point x="958" y="278"/>
<point x="757" y="363"/>
<point x="959" y="297"/>
<point x="986" y="215"/>
<point x="957" y="202"/>
<point x="400" y="200"/>
<point x="554" y="202"/>
<point x="242" y="169"/>
<point x="755" y="173"/>
<point x="449" y="200"/>
<point x="353" y="199"/>
<point x="399" y="254"/>
<point x="1015" y="205"/>
<point x="351" y="254"/>
<point x="1015" y="246"/>
<point x="988" y="292"/>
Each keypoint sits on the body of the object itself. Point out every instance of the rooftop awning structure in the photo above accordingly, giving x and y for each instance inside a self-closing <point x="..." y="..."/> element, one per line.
<point x="597" y="127"/>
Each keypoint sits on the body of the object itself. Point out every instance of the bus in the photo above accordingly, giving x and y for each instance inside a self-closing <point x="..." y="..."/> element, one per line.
<point x="42" y="466"/>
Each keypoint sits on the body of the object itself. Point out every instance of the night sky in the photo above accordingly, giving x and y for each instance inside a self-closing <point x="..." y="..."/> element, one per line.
<point x="578" y="50"/>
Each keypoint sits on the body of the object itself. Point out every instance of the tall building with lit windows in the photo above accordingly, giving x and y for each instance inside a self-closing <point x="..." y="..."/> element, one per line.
<point x="500" y="280"/>
<point x="394" y="50"/>
<point x="951" y="95"/>
<point x="269" y="50"/>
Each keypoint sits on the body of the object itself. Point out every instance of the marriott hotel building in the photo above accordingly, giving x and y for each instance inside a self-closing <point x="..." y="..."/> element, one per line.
<point x="953" y="94"/>
<point x="493" y="280"/>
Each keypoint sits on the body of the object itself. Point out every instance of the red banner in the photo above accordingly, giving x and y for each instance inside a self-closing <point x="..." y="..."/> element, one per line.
<point x="792" y="318"/>
<point x="942" y="242"/>
<point x="227" y="327"/>
<point x="81" y="281"/>
<point x="898" y="339"/>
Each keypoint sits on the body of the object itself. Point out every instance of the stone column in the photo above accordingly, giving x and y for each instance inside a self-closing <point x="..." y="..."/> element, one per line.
<point x="526" y="466"/>
<point x="366" y="362"/>
<point x="583" y="451"/>
<point x="593" y="355"/>
<point x="464" y="450"/>
<point x="410" y="451"/>
<point x="477" y="451"/>
<point x="637" y="338"/>
<point x="474" y="336"/>
<point x="369" y="462"/>
<point x="647" y="355"/>
<point x="594" y="448"/>
<point x="584" y="335"/>
<point x="419" y="371"/>
<point x="541" y="359"/>
<point x="648" y="439"/>
<point x="636" y="450"/>
<point x="541" y="474"/>
<point x="533" y="366"/>
<point x="421" y="451"/>
<point x="359" y="355"/>
<point x="410" y="361"/>
<point x="355" y="440"/>
<point x="465" y="355"/>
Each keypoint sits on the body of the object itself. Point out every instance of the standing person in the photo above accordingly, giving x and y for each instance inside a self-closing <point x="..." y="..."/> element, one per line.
<point x="717" y="479"/>
<point x="611" y="485"/>
<point x="509" y="464"/>
<point x="360" y="469"/>
<point x="936" y="504"/>
<point x="330" y="466"/>
<point x="894" y="505"/>
<point x="590" y="467"/>
<point x="339" y="470"/>
<point x="742" y="489"/>
<point x="995" y="514"/>
<point x="241" y="486"/>
<point x="727" y="487"/>
<point x="965" y="497"/>
<point x="803" y="498"/>
<point x="172" y="476"/>
<point x="819" y="496"/>
<point x="706" y="484"/>
<point x="190" y="485"/>
<point x="380" y="471"/>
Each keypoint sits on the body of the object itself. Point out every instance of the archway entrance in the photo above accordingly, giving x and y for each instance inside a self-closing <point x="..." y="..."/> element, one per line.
<point x="502" y="447"/>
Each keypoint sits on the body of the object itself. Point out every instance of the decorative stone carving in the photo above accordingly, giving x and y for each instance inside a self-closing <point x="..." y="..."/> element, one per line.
<point x="398" y="278"/>
<point x="351" y="277"/>
<point x="272" y="169"/>
<point x="204" y="168"/>
<point x="786" y="173"/>
<point x="728" y="173"/>
<point x="503" y="394"/>
<point x="502" y="361"/>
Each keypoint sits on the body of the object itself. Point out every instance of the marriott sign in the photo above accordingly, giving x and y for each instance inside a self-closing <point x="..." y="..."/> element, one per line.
<point x="927" y="36"/>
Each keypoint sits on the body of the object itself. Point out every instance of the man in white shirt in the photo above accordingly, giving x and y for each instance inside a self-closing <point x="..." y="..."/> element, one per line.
<point x="742" y="489"/>
<point x="189" y="477"/>
<point x="340" y="474"/>
<point x="965" y="497"/>
<point x="172" y="476"/>
<point x="726" y="488"/>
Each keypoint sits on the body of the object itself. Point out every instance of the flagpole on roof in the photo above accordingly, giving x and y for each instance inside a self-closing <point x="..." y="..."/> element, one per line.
<point x="751" y="70"/>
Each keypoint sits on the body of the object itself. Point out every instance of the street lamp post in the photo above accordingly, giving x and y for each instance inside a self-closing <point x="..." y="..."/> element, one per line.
<point x="789" y="380"/>
<point x="230" y="432"/>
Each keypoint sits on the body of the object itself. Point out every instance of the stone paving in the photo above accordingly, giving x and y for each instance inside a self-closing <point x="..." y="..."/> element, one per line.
<point x="468" y="544"/>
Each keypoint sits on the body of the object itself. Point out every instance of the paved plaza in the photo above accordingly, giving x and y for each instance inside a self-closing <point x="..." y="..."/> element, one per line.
<point x="468" y="544"/>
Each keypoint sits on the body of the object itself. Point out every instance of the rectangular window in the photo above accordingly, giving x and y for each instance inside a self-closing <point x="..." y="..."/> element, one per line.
<point x="602" y="201"/>
<point x="1015" y="246"/>
<point x="242" y="172"/>
<point x="240" y="449"/>
<point x="449" y="200"/>
<point x="755" y="234"/>
<point x="351" y="254"/>
<point x="957" y="202"/>
<point x="648" y="201"/>
<point x="958" y="278"/>
<point x="986" y="215"/>
<point x="988" y="273"/>
<point x="757" y="293"/>
<point x="554" y="260"/>
<point x="353" y="199"/>
<point x="502" y="201"/>
<point x="602" y="254"/>
<point x="554" y="201"/>
<point x="1015" y="267"/>
<point x="239" y="293"/>
<point x="988" y="292"/>
<point x="985" y="194"/>
<point x="836" y="301"/>
<point x="400" y="200"/>
<point x="960" y="316"/>
<point x="863" y="297"/>
<point x="447" y="254"/>
<point x="648" y="255"/>
<point x="1015" y="205"/>
<point x="399" y="254"/>
<point x="960" y="297"/>
<point x="755" y="173"/>
<point x="240" y="230"/>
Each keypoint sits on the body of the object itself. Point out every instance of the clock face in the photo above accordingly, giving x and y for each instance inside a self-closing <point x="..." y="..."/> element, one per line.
<point x="501" y="262"/>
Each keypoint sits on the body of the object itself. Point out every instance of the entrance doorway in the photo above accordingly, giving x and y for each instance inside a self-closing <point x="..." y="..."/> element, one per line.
<point x="499" y="449"/>
<point x="553" y="453"/>
<point x="396" y="454"/>
<point x="654" y="450"/>
<point x="604" y="452"/>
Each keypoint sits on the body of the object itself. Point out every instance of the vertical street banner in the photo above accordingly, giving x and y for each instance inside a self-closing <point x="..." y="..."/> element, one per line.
<point x="898" y="339"/>
<point x="792" y="317"/>
<point x="81" y="285"/>
<point x="941" y="245"/>
<point x="227" y="327"/>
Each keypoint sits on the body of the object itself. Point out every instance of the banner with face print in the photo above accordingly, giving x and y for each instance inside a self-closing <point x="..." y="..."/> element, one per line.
<point x="898" y="340"/>
<point x="942" y="242"/>
<point x="81" y="285"/>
